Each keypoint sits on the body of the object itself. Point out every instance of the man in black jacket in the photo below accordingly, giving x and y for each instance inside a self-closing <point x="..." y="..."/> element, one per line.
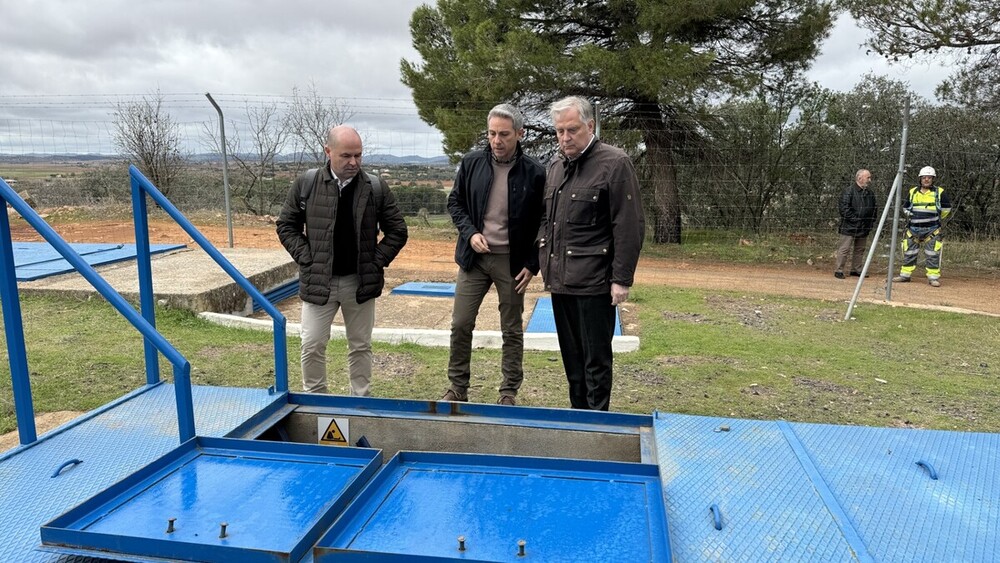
<point x="330" y="224"/>
<point x="496" y="204"/>
<point x="857" y="217"/>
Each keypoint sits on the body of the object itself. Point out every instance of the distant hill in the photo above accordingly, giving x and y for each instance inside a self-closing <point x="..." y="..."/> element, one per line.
<point x="36" y="157"/>
<point x="391" y="159"/>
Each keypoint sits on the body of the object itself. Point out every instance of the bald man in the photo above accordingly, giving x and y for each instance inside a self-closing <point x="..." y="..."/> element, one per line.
<point x="330" y="225"/>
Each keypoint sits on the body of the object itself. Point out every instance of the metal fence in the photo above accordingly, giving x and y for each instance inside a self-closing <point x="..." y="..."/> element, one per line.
<point x="749" y="169"/>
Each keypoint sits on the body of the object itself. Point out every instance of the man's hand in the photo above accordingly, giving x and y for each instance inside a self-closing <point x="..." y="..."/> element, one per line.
<point x="479" y="244"/>
<point x="619" y="294"/>
<point x="523" y="278"/>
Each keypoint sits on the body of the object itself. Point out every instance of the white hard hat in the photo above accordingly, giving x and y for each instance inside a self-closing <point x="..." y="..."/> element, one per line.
<point x="927" y="171"/>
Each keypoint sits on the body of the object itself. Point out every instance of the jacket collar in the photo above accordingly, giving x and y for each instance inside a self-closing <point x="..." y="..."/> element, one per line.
<point x="328" y="176"/>
<point x="583" y="156"/>
<point x="518" y="151"/>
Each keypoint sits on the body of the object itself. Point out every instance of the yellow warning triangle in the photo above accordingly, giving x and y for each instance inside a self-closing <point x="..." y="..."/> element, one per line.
<point x="333" y="435"/>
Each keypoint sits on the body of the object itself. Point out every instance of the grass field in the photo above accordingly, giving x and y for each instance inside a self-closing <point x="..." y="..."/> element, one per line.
<point x="702" y="352"/>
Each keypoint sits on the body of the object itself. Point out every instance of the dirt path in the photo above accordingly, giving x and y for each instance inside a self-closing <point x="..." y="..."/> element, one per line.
<point x="431" y="260"/>
<point x="43" y="423"/>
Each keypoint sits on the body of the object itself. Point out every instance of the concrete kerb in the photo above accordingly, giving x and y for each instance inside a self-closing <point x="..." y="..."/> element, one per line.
<point x="543" y="342"/>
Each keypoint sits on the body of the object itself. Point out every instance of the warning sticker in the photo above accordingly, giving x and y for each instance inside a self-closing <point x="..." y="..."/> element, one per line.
<point x="333" y="431"/>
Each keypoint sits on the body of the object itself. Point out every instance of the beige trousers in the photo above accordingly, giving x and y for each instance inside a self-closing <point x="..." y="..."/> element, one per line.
<point x="359" y="321"/>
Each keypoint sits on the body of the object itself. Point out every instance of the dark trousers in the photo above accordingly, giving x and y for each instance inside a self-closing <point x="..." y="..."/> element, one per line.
<point x="585" y="325"/>
<point x="471" y="289"/>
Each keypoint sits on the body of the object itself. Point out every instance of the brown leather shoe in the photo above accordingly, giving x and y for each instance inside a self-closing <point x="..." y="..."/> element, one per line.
<point x="507" y="400"/>
<point x="452" y="396"/>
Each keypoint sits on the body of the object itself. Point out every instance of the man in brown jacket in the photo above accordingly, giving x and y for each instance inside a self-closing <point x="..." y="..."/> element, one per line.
<point x="589" y="242"/>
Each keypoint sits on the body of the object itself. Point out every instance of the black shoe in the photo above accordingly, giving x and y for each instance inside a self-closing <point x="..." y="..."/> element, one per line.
<point x="858" y="274"/>
<point x="838" y="275"/>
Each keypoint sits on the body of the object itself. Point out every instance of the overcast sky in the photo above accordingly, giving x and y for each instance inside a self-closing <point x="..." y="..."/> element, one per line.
<point x="349" y="49"/>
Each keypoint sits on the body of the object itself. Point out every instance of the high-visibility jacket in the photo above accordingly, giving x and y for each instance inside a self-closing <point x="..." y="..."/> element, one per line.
<point x="927" y="208"/>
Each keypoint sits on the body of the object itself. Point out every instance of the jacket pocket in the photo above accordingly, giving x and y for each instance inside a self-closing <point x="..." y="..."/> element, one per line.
<point x="587" y="266"/>
<point x="583" y="206"/>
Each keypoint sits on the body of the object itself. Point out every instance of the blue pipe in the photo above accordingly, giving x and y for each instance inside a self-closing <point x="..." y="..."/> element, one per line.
<point x="182" y="368"/>
<point x="280" y="342"/>
<point x="24" y="409"/>
<point x="146" y="297"/>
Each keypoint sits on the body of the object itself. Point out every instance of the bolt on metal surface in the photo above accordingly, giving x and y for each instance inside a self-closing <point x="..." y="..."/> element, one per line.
<point x="461" y="543"/>
<point x="170" y="525"/>
<point x="222" y="531"/>
<point x="520" y="547"/>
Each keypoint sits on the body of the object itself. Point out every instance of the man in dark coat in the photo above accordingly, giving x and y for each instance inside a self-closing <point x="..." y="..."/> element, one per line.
<point x="857" y="217"/>
<point x="330" y="225"/>
<point x="496" y="205"/>
<point x="589" y="241"/>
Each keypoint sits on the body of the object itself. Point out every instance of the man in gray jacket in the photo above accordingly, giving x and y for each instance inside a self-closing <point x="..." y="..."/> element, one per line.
<point x="330" y="224"/>
<point x="589" y="241"/>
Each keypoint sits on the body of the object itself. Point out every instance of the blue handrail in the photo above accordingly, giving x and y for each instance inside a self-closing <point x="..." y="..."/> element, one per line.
<point x="140" y="185"/>
<point x="13" y="326"/>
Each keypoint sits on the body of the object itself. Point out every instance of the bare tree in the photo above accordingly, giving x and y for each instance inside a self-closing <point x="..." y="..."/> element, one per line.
<point x="147" y="136"/>
<point x="254" y="146"/>
<point x="310" y="116"/>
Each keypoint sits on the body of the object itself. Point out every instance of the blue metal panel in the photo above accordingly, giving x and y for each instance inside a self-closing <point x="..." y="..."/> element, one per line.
<point x="564" y="510"/>
<point x="112" y="443"/>
<point x="543" y="320"/>
<point x="430" y="289"/>
<point x="769" y="509"/>
<point x="541" y="417"/>
<point x="273" y="498"/>
<point x="279" y="294"/>
<point x="900" y="511"/>
<point x="37" y="260"/>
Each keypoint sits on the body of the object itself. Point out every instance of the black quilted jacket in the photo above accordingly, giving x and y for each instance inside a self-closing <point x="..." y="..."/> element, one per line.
<point x="307" y="234"/>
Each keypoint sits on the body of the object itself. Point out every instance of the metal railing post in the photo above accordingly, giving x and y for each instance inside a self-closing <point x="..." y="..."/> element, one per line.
<point x="280" y="344"/>
<point x="225" y="166"/>
<point x="182" y="368"/>
<point x="142" y="260"/>
<point x="899" y="200"/>
<point x="24" y="408"/>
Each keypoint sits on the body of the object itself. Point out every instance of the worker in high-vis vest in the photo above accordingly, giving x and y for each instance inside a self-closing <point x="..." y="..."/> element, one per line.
<point x="926" y="207"/>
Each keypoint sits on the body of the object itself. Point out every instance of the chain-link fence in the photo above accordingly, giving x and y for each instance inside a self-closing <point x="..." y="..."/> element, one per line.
<point x="750" y="170"/>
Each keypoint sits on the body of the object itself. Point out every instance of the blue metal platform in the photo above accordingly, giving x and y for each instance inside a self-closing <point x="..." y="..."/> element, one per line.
<point x="427" y="289"/>
<point x="543" y="319"/>
<point x="36" y="260"/>
<point x="813" y="492"/>
<point x="110" y="443"/>
<point x="726" y="489"/>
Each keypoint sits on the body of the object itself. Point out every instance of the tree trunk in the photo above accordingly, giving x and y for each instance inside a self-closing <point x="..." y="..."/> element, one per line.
<point x="661" y="179"/>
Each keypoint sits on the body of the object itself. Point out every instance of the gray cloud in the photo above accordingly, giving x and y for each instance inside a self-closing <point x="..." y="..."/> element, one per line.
<point x="349" y="50"/>
<point x="844" y="60"/>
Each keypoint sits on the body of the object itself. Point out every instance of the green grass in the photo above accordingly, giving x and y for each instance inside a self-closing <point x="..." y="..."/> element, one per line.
<point x="702" y="352"/>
